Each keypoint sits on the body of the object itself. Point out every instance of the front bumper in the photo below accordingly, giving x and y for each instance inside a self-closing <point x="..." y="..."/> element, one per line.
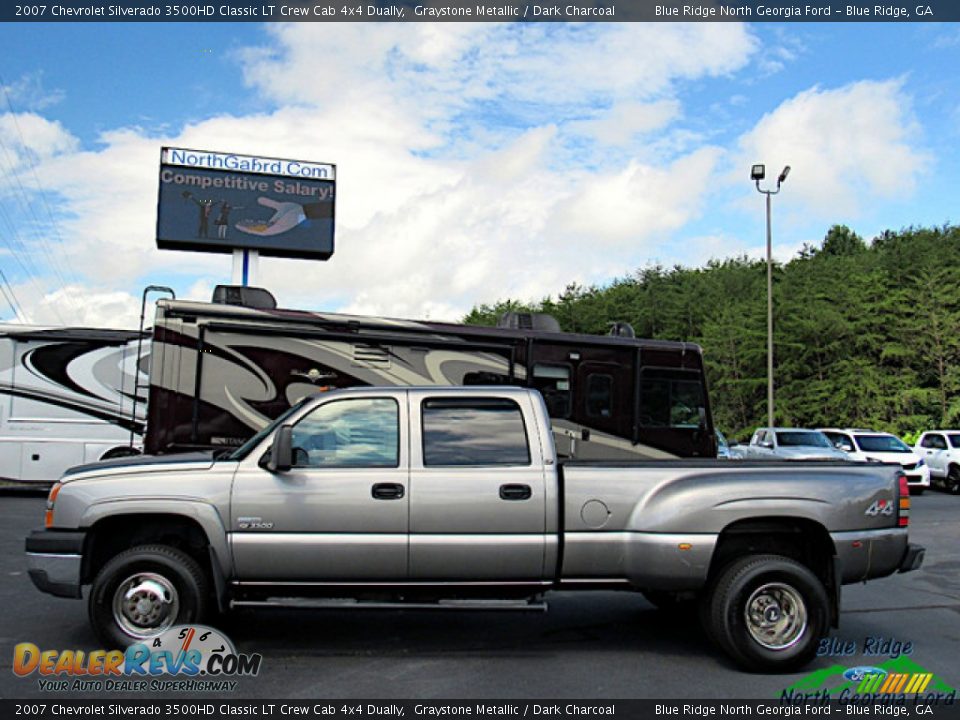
<point x="54" y="560"/>
<point x="918" y="477"/>
<point x="912" y="558"/>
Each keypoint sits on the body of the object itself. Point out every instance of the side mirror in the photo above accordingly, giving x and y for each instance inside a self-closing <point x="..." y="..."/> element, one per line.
<point x="281" y="454"/>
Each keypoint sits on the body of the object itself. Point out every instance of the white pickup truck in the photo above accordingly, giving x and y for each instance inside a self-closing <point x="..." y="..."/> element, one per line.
<point x="770" y="443"/>
<point x="941" y="450"/>
<point x="432" y="495"/>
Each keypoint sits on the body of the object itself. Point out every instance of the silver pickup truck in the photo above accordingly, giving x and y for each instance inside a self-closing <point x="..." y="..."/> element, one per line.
<point x="454" y="497"/>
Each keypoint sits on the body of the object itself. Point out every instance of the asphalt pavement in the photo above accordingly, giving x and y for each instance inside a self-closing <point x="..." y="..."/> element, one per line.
<point x="589" y="645"/>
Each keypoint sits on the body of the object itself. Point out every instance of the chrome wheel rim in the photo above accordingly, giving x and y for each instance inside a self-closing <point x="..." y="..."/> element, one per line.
<point x="776" y="616"/>
<point x="145" y="605"/>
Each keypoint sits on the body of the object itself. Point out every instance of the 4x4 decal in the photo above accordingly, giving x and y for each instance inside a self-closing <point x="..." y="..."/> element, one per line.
<point x="880" y="507"/>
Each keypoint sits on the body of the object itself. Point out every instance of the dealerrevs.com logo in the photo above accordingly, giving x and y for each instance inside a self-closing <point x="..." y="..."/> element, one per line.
<point x="184" y="658"/>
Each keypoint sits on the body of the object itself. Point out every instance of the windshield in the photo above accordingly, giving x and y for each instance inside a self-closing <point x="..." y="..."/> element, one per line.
<point x="800" y="438"/>
<point x="721" y="440"/>
<point x="881" y="443"/>
<point x="241" y="452"/>
<point x="954" y="440"/>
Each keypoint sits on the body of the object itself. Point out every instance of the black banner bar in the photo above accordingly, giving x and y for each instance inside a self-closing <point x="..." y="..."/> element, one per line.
<point x="481" y="11"/>
<point x="888" y="707"/>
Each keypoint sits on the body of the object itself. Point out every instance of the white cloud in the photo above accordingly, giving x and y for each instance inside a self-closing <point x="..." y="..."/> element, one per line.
<point x="461" y="170"/>
<point x="28" y="93"/>
<point x="625" y="120"/>
<point x="80" y="305"/>
<point x="637" y="202"/>
<point x="28" y="137"/>
<point x="847" y="147"/>
<point x="455" y="64"/>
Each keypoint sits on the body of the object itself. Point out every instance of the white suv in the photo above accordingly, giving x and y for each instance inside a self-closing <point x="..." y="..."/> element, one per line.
<point x="941" y="448"/>
<point x="872" y="446"/>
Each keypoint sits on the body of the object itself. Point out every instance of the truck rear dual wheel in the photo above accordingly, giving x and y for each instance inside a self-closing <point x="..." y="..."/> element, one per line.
<point x="768" y="613"/>
<point x="144" y="591"/>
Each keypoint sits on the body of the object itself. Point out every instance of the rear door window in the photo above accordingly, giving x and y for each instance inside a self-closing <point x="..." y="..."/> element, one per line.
<point x="463" y="432"/>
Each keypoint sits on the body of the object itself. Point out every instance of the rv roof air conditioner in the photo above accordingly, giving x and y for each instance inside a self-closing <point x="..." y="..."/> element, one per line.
<point x="529" y="321"/>
<point x="622" y="329"/>
<point x="251" y="297"/>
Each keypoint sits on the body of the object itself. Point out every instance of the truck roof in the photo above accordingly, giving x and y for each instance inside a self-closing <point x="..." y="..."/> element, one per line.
<point x="435" y="389"/>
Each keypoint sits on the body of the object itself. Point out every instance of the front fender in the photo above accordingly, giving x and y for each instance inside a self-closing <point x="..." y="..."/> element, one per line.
<point x="203" y="513"/>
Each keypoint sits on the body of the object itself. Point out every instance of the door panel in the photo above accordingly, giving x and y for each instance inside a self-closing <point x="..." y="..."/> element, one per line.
<point x="934" y="454"/>
<point x="470" y="521"/>
<point x="322" y="520"/>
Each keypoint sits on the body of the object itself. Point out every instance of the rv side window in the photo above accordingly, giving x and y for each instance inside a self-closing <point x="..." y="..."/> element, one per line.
<point x="670" y="398"/>
<point x="363" y="432"/>
<point x="473" y="432"/>
<point x="553" y="382"/>
<point x="599" y="395"/>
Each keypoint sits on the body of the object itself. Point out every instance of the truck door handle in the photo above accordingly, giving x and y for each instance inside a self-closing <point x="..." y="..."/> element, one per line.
<point x="387" y="491"/>
<point x="515" y="492"/>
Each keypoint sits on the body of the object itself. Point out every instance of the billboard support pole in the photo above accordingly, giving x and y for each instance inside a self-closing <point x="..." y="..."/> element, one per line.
<point x="246" y="264"/>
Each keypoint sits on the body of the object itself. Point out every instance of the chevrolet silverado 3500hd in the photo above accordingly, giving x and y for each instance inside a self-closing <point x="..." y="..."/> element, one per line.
<point x="427" y="495"/>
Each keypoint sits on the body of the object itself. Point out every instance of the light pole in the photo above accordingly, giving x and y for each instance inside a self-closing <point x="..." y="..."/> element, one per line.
<point x="757" y="173"/>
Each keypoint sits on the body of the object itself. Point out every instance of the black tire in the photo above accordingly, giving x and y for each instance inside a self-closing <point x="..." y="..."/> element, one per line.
<point x="917" y="490"/>
<point x="797" y="604"/>
<point x="120" y="452"/>
<point x="147" y="569"/>
<point x="952" y="483"/>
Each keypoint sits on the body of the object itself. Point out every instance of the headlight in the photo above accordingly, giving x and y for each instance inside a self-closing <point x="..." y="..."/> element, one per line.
<point x="920" y="462"/>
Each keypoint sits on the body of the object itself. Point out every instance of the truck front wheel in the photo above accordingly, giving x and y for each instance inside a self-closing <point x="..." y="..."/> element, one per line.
<point x="768" y="612"/>
<point x="145" y="590"/>
<point x="953" y="480"/>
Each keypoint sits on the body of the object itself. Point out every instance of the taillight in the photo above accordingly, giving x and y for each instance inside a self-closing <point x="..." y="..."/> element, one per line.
<point x="51" y="499"/>
<point x="903" y="511"/>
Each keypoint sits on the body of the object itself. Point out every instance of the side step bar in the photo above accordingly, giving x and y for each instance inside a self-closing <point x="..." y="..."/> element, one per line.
<point x="533" y="604"/>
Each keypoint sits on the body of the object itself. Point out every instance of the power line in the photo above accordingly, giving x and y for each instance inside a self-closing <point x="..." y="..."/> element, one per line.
<point x="11" y="298"/>
<point x="28" y="209"/>
<point x="36" y="179"/>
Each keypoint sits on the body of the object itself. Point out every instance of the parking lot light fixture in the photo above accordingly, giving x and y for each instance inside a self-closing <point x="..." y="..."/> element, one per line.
<point x="758" y="173"/>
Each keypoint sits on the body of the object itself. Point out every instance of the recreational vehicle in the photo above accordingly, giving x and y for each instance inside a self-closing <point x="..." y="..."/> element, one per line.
<point x="68" y="396"/>
<point x="221" y="371"/>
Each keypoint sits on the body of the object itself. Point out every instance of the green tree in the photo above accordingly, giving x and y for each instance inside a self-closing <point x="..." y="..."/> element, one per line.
<point x="865" y="335"/>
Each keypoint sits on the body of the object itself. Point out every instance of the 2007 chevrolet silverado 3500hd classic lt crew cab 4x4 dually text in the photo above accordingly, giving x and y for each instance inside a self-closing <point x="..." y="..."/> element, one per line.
<point x="430" y="495"/>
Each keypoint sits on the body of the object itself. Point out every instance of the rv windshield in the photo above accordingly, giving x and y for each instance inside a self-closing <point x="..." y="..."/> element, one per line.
<point x="241" y="452"/>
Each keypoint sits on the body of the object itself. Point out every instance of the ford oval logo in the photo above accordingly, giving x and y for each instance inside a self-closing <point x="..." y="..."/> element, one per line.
<point x="857" y="674"/>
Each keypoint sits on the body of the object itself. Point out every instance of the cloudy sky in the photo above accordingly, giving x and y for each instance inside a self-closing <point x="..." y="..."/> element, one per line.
<point x="474" y="162"/>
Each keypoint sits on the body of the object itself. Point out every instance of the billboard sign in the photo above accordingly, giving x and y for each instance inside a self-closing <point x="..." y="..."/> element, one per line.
<point x="219" y="202"/>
